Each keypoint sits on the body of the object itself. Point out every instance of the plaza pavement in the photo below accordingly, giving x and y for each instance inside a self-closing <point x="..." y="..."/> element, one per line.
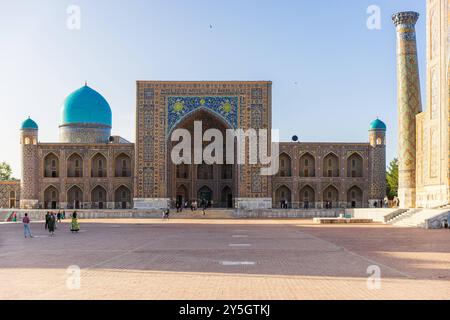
<point x="223" y="259"/>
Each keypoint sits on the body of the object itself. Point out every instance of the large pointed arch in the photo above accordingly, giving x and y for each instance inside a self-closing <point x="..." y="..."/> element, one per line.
<point x="196" y="176"/>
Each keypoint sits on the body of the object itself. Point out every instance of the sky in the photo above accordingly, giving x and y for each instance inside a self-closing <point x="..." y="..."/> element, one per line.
<point x="331" y="74"/>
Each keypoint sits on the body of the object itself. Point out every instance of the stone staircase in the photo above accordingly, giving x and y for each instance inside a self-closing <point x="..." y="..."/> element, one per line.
<point x="416" y="217"/>
<point x="209" y="214"/>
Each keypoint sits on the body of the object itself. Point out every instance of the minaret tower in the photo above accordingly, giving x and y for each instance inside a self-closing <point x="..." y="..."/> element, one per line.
<point x="29" y="148"/>
<point x="409" y="105"/>
<point x="377" y="160"/>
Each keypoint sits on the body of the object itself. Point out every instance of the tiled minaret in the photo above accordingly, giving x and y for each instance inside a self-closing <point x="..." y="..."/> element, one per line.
<point x="409" y="105"/>
<point x="30" y="162"/>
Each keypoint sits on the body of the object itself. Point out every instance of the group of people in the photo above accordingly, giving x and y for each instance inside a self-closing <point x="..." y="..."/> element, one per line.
<point x="204" y="204"/>
<point x="51" y="219"/>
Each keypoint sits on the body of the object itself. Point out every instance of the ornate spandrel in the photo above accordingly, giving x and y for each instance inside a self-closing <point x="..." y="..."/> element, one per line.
<point x="179" y="107"/>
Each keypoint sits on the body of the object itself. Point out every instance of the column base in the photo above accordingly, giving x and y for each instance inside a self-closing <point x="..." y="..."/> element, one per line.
<point x="407" y="198"/>
<point x="151" y="203"/>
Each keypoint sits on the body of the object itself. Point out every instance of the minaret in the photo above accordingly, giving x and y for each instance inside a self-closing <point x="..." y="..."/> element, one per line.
<point x="409" y="105"/>
<point x="377" y="160"/>
<point x="29" y="149"/>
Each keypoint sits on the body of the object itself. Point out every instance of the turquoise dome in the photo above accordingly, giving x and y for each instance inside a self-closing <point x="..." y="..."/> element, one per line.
<point x="377" y="125"/>
<point x="86" y="106"/>
<point x="29" y="124"/>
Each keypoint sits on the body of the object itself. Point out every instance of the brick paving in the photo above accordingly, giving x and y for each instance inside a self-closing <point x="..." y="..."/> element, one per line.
<point x="193" y="259"/>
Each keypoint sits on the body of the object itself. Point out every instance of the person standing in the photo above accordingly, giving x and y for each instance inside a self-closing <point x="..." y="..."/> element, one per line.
<point x="74" y="226"/>
<point x="51" y="224"/>
<point x="14" y="218"/>
<point x="58" y="216"/>
<point x="205" y="205"/>
<point x="26" y="226"/>
<point x="47" y="217"/>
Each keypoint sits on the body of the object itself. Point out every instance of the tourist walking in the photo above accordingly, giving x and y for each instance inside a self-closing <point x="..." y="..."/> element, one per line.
<point x="14" y="218"/>
<point x="51" y="224"/>
<point x="26" y="226"/>
<point x="166" y="213"/>
<point x="74" y="226"/>
<point x="58" y="216"/>
<point x="205" y="205"/>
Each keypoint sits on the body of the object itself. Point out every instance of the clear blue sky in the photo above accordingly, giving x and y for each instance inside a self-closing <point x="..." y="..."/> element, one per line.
<point x="331" y="75"/>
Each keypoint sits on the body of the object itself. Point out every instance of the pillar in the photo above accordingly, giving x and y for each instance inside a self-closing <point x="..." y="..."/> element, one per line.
<point x="408" y="104"/>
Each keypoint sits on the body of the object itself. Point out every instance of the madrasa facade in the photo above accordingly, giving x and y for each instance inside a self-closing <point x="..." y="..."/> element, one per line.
<point x="89" y="168"/>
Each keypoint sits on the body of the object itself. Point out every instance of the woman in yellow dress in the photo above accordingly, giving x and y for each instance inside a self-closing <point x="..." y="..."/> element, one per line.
<point x="74" y="227"/>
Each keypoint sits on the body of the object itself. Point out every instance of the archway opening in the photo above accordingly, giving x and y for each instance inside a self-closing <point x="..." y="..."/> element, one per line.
<point x="51" y="198"/>
<point x="205" y="196"/>
<point x="283" y="197"/>
<point x="51" y="166"/>
<point x="74" y="198"/>
<point x="122" y="165"/>
<point x="330" y="197"/>
<point x="331" y="166"/>
<point x="75" y="166"/>
<point x="307" y="197"/>
<point x="98" y="197"/>
<point x="226" y="197"/>
<point x="98" y="166"/>
<point x="193" y="177"/>
<point x="355" y="197"/>
<point x="355" y="166"/>
<point x="122" y="198"/>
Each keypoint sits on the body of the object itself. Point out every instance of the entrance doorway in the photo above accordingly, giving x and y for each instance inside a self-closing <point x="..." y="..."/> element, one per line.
<point x="205" y="194"/>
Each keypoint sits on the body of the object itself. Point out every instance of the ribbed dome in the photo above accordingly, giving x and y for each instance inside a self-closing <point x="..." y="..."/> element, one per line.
<point x="377" y="125"/>
<point x="29" y="124"/>
<point x="86" y="106"/>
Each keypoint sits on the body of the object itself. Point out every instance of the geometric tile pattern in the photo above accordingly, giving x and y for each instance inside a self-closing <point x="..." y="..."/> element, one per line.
<point x="179" y="107"/>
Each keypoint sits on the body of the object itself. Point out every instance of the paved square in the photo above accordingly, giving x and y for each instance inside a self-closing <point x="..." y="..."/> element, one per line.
<point x="223" y="259"/>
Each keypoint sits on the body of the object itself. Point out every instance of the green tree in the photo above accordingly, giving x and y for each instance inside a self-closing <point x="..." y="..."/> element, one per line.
<point x="5" y="171"/>
<point x="392" y="179"/>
